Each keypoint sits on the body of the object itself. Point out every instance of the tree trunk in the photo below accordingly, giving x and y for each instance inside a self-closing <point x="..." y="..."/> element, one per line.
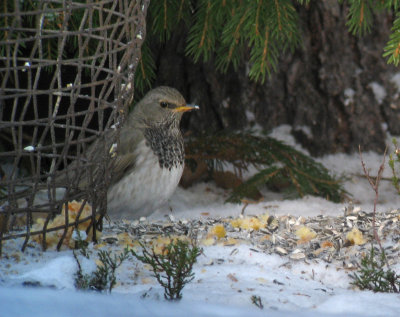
<point x="336" y="90"/>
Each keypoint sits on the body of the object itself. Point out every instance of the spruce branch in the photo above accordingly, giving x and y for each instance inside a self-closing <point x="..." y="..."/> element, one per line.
<point x="360" y="16"/>
<point x="146" y="71"/>
<point x="207" y="26"/>
<point x="229" y="31"/>
<point x="388" y="4"/>
<point x="163" y="16"/>
<point x="232" y="40"/>
<point x="392" y="49"/>
<point x="278" y="164"/>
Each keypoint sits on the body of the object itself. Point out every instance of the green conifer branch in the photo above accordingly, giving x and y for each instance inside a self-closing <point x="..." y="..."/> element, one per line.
<point x="229" y="31"/>
<point x="389" y="4"/>
<point x="232" y="40"/>
<point x="392" y="49"/>
<point x="146" y="72"/>
<point x="206" y="27"/>
<point x="164" y="15"/>
<point x="277" y="164"/>
<point x="247" y="189"/>
<point x="360" y="16"/>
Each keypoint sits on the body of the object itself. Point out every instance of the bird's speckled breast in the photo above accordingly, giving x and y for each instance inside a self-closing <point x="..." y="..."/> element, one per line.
<point x="167" y="144"/>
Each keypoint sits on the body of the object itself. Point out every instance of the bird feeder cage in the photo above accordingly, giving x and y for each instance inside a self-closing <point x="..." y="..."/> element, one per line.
<point x="66" y="80"/>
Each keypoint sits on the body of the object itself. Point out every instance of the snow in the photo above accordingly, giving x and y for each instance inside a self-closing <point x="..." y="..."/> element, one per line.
<point x="395" y="80"/>
<point x="349" y="96"/>
<point x="304" y="129"/>
<point x="250" y="116"/>
<point x="58" y="271"/>
<point x="225" y="277"/>
<point x="378" y="90"/>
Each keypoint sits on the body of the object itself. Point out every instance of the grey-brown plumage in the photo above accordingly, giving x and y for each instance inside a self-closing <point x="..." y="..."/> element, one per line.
<point x="150" y="155"/>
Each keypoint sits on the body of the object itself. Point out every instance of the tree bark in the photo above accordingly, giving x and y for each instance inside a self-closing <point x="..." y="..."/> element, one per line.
<point x="335" y="91"/>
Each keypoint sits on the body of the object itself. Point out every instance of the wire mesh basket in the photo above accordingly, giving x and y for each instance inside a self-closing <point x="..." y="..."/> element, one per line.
<point x="66" y="80"/>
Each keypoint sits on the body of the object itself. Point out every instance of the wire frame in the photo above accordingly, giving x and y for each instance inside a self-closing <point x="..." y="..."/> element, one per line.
<point x="66" y="80"/>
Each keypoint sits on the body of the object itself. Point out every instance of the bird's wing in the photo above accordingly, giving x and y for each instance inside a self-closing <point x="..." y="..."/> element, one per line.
<point x="122" y="165"/>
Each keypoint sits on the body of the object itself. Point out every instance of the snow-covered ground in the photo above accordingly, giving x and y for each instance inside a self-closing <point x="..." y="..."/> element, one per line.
<point x="225" y="277"/>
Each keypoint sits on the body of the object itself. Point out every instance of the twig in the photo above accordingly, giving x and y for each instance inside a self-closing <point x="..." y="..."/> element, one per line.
<point x="247" y="202"/>
<point x="256" y="300"/>
<point x="389" y="179"/>
<point x="375" y="187"/>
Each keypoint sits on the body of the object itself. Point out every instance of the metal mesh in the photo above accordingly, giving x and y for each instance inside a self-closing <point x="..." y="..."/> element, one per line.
<point x="66" y="80"/>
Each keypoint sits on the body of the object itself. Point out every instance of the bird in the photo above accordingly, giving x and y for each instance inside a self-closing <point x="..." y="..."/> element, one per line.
<point x="149" y="158"/>
<point x="150" y="155"/>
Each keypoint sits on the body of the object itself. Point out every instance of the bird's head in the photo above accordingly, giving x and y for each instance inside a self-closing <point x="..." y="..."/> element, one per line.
<point x="162" y="105"/>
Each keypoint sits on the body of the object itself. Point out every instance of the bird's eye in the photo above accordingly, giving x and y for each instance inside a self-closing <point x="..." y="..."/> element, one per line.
<point x="163" y="104"/>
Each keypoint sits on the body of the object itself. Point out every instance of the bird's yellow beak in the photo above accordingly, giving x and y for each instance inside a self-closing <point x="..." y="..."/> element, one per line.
<point x="186" y="108"/>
